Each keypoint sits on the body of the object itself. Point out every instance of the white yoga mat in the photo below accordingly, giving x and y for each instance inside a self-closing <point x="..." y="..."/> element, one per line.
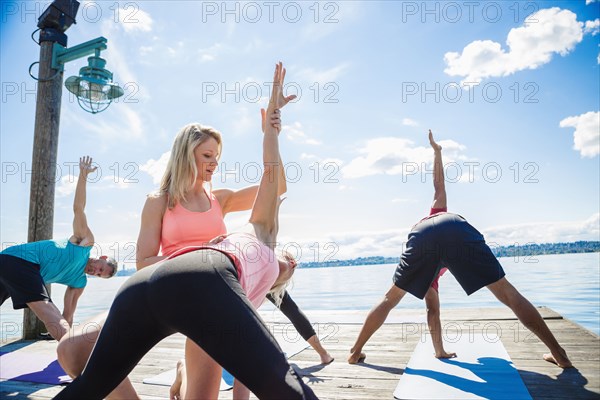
<point x="482" y="370"/>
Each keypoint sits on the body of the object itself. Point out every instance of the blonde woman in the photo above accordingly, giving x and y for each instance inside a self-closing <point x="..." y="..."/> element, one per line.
<point x="208" y="293"/>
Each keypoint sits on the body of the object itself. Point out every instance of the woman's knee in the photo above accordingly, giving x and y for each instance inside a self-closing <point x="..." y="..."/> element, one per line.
<point x="75" y="348"/>
<point x="68" y="356"/>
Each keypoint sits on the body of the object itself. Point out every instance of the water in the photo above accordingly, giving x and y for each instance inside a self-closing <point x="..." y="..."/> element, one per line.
<point x="567" y="283"/>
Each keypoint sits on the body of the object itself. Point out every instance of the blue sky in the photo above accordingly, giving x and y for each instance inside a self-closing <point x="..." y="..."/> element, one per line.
<point x="510" y="89"/>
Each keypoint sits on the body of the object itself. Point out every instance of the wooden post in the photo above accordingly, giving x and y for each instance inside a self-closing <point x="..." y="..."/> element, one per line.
<point x="43" y="165"/>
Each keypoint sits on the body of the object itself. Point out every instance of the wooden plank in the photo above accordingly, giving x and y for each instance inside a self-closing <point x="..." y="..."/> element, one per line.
<point x="388" y="351"/>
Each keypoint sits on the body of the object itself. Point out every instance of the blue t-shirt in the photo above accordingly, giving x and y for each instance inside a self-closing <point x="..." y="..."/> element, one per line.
<point x="59" y="261"/>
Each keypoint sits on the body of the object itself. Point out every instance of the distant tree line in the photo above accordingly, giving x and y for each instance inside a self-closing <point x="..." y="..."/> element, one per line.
<point x="533" y="249"/>
<point x="525" y="250"/>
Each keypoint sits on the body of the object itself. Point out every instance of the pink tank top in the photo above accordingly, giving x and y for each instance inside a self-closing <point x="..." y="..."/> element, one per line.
<point x="256" y="264"/>
<point x="182" y="228"/>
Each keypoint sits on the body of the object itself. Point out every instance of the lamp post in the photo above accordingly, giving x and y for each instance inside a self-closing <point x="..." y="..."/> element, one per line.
<point x="53" y="23"/>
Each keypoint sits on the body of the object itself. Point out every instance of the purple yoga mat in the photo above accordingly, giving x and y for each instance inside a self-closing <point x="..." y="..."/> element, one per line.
<point x="32" y="367"/>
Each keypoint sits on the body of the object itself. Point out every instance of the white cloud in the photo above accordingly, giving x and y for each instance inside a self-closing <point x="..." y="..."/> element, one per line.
<point x="393" y="156"/>
<point x="322" y="76"/>
<point x="113" y="182"/>
<point x="210" y="53"/>
<point x="592" y="27"/>
<point x="548" y="232"/>
<point x="135" y="19"/>
<point x="403" y="200"/>
<point x="347" y="245"/>
<point x="545" y="33"/>
<point x="409" y="122"/>
<point x="68" y="183"/>
<point x="245" y="122"/>
<point x="329" y="17"/>
<point x="254" y="45"/>
<point x="586" y="137"/>
<point x="118" y="62"/>
<point x="296" y="134"/>
<point x="145" y="50"/>
<point x="587" y="2"/>
<point x="119" y="122"/>
<point x="332" y="160"/>
<point x="391" y="243"/>
<point x="156" y="168"/>
<point x="66" y="186"/>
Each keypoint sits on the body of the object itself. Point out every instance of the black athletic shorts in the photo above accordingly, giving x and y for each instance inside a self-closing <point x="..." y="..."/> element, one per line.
<point x="446" y="240"/>
<point x="21" y="280"/>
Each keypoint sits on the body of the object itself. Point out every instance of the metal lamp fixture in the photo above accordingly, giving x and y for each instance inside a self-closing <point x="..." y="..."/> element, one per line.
<point x="93" y="87"/>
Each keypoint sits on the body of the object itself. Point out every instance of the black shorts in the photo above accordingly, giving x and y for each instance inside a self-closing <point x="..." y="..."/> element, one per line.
<point x="21" y="280"/>
<point x="446" y="240"/>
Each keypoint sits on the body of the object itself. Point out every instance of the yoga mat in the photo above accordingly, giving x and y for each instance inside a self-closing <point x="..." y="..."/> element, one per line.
<point x="289" y="344"/>
<point x="26" y="366"/>
<point x="482" y="370"/>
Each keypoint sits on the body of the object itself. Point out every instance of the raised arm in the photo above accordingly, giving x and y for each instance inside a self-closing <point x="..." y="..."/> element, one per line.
<point x="439" y="186"/>
<point x="274" y="121"/>
<point x="243" y="199"/>
<point x="264" y="210"/>
<point x="82" y="235"/>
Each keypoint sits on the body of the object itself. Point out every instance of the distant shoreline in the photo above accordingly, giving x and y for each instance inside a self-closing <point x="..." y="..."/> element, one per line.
<point x="527" y="250"/>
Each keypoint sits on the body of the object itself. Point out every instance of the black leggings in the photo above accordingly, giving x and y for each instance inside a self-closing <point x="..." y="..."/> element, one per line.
<point x="197" y="294"/>
<point x="290" y="309"/>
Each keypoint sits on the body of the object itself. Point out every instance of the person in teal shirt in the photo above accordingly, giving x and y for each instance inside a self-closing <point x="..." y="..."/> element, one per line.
<point x="25" y="269"/>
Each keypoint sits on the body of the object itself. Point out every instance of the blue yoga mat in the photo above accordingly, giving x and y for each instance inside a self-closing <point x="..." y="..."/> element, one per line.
<point x="26" y="366"/>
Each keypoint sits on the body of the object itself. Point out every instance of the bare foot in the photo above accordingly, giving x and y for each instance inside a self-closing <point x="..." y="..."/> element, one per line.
<point x="175" y="391"/>
<point x="355" y="358"/>
<point x="443" y="354"/>
<point x="326" y="358"/>
<point x="561" y="359"/>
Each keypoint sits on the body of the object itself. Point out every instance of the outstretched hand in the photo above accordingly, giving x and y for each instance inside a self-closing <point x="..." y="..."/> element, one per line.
<point x="278" y="100"/>
<point x="434" y="145"/>
<point x="85" y="165"/>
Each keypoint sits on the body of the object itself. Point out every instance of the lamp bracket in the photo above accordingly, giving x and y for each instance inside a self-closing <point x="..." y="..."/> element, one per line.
<point x="62" y="55"/>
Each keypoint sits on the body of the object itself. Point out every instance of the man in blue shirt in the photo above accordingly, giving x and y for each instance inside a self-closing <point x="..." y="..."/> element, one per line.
<point x="25" y="269"/>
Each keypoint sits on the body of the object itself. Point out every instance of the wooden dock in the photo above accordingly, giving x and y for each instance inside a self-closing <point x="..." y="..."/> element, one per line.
<point x="388" y="352"/>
